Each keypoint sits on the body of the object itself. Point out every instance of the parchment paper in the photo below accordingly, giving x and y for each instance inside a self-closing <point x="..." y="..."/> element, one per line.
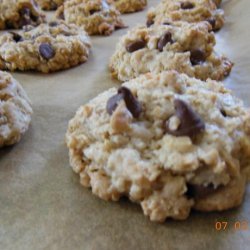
<point x="42" y="204"/>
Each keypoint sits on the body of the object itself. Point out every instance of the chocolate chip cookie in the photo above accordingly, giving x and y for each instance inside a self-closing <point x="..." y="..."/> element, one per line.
<point x="50" y="4"/>
<point x="129" y="6"/>
<point x="15" y="110"/>
<point x="97" y="17"/>
<point x="169" y="142"/>
<point x="185" y="47"/>
<point x="46" y="48"/>
<point x="188" y="11"/>
<point x="15" y="14"/>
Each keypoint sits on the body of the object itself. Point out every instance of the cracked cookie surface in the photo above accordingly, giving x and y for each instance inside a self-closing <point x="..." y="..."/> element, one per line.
<point x="188" y="11"/>
<point x="166" y="141"/>
<point x="50" y="4"/>
<point x="185" y="47"/>
<point x="15" y="110"/>
<point x="129" y="6"/>
<point x="46" y="48"/>
<point x="97" y="17"/>
<point x="15" y="14"/>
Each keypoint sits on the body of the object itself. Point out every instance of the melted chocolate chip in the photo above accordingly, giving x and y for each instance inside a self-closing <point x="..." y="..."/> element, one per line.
<point x="53" y="24"/>
<point x="187" y="5"/>
<point x="199" y="191"/>
<point x="131" y="102"/>
<point x="197" y="56"/>
<point x="46" y="51"/>
<point x="149" y="22"/>
<point x="113" y="103"/>
<point x="93" y="11"/>
<point x="223" y="112"/>
<point x="136" y="45"/>
<point x="16" y="37"/>
<point x="164" y="39"/>
<point x="191" y="123"/>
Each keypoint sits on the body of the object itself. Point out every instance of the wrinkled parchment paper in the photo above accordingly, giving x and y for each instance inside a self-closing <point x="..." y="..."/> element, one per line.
<point x="43" y="206"/>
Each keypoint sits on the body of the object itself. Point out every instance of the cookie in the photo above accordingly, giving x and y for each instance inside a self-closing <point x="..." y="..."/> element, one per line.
<point x="185" y="47"/>
<point x="97" y="17"/>
<point x="46" y="48"/>
<point x="166" y="141"/>
<point x="50" y="4"/>
<point x="188" y="11"/>
<point x="129" y="6"/>
<point x="15" y="110"/>
<point x="17" y="13"/>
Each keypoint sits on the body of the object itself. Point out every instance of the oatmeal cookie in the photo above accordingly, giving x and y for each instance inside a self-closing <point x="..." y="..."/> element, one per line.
<point x="185" y="47"/>
<point x="15" y="110"/>
<point x="166" y="141"/>
<point x="46" y="48"/>
<point x="50" y="4"/>
<point x="97" y="17"/>
<point x="188" y="11"/>
<point x="15" y="14"/>
<point x="129" y="6"/>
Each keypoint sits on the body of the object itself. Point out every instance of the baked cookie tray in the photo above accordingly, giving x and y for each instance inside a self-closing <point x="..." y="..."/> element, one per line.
<point x="43" y="205"/>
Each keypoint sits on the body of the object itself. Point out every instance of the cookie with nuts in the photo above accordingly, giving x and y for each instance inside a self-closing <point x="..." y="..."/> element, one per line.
<point x="189" y="11"/>
<point x="15" y="110"/>
<point x="185" y="47"/>
<point x="46" y="48"/>
<point x="166" y="141"/>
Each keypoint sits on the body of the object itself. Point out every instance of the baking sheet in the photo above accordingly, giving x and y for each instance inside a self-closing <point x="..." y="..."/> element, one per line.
<point x="43" y="206"/>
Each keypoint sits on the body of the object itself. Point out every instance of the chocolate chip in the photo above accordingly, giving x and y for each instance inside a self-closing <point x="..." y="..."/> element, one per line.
<point x="25" y="11"/>
<point x="191" y="123"/>
<point x="53" y="24"/>
<point x="199" y="191"/>
<point x="166" y="23"/>
<point x="54" y="6"/>
<point x="9" y="24"/>
<point x="187" y="5"/>
<point x="46" y="51"/>
<point x="93" y="11"/>
<point x="16" y="37"/>
<point x="223" y="112"/>
<point x="136" y="45"/>
<point x="25" y="16"/>
<point x="164" y="39"/>
<point x="212" y="21"/>
<point x="113" y="103"/>
<point x="197" y="56"/>
<point x="150" y="22"/>
<point x="131" y="102"/>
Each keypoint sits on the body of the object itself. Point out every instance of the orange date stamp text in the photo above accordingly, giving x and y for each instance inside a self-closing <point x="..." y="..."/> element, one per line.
<point x="237" y="225"/>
